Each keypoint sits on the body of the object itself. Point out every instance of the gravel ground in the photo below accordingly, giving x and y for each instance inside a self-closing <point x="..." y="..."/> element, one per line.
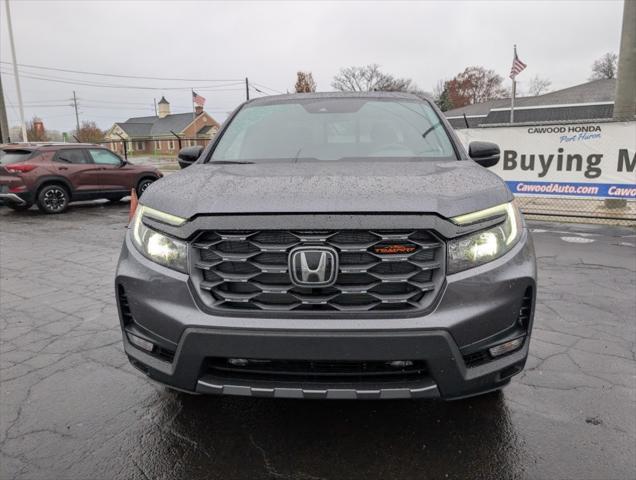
<point x="71" y="407"/>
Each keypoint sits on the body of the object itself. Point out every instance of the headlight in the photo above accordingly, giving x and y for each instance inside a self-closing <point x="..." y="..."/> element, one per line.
<point x="486" y="245"/>
<point x="156" y="246"/>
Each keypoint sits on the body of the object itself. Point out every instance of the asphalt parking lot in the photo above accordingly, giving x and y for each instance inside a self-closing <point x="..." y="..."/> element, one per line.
<point x="71" y="406"/>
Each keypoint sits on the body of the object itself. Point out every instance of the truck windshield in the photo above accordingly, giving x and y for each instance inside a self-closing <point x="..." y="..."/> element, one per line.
<point x="334" y="129"/>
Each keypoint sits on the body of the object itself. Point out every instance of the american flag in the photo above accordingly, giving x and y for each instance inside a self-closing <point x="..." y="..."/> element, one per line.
<point x="517" y="66"/>
<point x="198" y="99"/>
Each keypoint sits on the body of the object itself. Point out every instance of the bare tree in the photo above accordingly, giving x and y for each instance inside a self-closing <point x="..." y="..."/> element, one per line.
<point x="89" y="132"/>
<point x="305" y="83"/>
<point x="605" y="67"/>
<point x="369" y="78"/>
<point x="538" y="86"/>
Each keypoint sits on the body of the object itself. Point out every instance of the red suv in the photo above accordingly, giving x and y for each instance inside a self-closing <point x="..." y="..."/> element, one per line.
<point x="52" y="175"/>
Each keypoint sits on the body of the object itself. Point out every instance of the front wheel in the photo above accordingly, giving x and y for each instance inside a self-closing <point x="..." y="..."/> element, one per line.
<point x="53" y="199"/>
<point x="143" y="185"/>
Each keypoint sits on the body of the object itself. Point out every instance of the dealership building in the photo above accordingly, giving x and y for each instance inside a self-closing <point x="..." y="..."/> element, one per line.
<point x="591" y="101"/>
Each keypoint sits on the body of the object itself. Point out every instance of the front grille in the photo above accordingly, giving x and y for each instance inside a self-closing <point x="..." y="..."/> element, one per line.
<point x="248" y="270"/>
<point x="308" y="370"/>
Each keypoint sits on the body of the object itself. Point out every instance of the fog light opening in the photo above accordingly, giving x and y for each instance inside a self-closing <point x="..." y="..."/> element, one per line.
<point x="400" y="363"/>
<point x="506" y="347"/>
<point x="140" y="342"/>
<point x="238" y="362"/>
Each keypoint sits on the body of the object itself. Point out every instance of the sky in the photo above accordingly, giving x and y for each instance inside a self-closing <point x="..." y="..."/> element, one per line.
<point x="212" y="46"/>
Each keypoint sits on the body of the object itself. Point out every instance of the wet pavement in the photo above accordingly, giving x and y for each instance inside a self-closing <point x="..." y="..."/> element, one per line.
<point x="71" y="406"/>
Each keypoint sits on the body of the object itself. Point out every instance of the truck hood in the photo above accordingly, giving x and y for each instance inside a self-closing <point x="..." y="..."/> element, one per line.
<point x="447" y="188"/>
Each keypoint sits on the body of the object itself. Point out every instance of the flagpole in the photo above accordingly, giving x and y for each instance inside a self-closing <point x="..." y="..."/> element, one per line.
<point x="514" y="91"/>
<point x="512" y="101"/>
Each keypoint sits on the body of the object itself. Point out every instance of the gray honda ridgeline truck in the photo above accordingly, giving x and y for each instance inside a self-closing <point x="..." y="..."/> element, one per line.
<point x="337" y="246"/>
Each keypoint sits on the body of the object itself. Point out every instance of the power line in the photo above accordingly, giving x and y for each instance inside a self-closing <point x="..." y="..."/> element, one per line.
<point x="42" y="106"/>
<point x="64" y="115"/>
<point x="67" y="81"/>
<point x="267" y="88"/>
<point x="115" y="108"/>
<point x="116" y="75"/>
<point x="94" y="100"/>
<point x="90" y="104"/>
<point x="119" y="86"/>
<point x="109" y="117"/>
<point x="214" y="89"/>
<point x="39" y="102"/>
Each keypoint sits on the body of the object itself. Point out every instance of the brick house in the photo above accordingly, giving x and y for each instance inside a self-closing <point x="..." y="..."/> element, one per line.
<point x="154" y="134"/>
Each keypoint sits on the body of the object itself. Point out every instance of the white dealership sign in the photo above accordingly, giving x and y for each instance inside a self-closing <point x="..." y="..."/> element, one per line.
<point x="595" y="160"/>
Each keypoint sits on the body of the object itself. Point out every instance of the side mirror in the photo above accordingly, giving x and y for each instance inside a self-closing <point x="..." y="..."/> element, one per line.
<point x="189" y="155"/>
<point x="485" y="154"/>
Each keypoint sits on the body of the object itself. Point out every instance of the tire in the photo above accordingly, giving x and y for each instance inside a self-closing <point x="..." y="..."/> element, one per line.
<point x="53" y="199"/>
<point x="143" y="184"/>
<point x="19" y="208"/>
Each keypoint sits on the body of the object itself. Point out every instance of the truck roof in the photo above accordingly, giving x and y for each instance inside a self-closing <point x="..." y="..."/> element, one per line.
<point x="270" y="99"/>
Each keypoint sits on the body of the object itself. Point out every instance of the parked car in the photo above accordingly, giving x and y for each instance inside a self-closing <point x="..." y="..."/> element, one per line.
<point x="53" y="175"/>
<point x="330" y="246"/>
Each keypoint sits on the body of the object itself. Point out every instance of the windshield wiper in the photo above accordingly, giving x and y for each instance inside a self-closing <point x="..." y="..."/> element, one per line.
<point x="230" y="162"/>
<point x="430" y="129"/>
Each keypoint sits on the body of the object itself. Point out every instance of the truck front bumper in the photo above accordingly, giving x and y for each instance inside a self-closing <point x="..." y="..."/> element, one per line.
<point x="477" y="310"/>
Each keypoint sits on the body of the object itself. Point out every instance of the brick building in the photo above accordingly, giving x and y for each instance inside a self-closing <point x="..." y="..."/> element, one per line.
<point x="156" y="134"/>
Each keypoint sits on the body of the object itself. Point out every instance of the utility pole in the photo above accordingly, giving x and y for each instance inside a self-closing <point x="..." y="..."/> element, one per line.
<point x="155" y="100"/>
<point x="625" y="99"/>
<point x="625" y="96"/>
<point x="4" y="125"/>
<point x="247" y="89"/>
<point x="15" y="73"/>
<point x="76" y="114"/>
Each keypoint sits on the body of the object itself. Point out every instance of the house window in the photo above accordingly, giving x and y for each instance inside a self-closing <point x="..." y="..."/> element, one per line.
<point x="139" y="145"/>
<point x="170" y="144"/>
<point x="157" y="145"/>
